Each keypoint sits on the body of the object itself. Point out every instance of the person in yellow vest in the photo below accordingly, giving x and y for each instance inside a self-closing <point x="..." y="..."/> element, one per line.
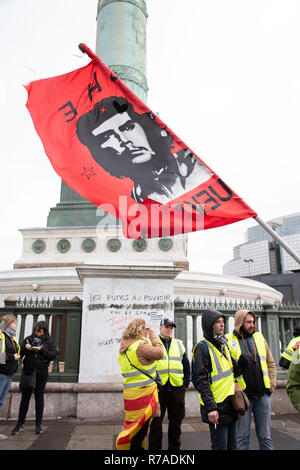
<point x="174" y="370"/>
<point x="287" y="354"/>
<point x="293" y="379"/>
<point x="260" y="379"/>
<point x="214" y="374"/>
<point x="139" y="350"/>
<point x="9" y="355"/>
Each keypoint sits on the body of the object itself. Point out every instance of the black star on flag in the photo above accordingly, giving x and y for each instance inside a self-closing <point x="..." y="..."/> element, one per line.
<point x="88" y="172"/>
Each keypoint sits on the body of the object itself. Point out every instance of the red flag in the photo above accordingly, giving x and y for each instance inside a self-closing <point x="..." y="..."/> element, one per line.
<point x="107" y="145"/>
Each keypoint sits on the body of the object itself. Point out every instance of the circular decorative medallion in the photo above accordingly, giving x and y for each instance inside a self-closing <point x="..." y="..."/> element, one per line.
<point x="88" y="245"/>
<point x="165" y="244"/>
<point x="139" y="245"/>
<point x="38" y="246"/>
<point x="63" y="245"/>
<point x="114" y="244"/>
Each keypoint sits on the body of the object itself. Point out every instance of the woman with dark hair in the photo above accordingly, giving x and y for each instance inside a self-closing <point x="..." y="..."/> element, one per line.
<point x="37" y="350"/>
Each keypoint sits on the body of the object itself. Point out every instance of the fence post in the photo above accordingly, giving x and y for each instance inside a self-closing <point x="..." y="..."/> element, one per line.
<point x="270" y="329"/>
<point x="10" y="302"/>
<point x="195" y="332"/>
<point x="181" y="321"/>
<point x="73" y="336"/>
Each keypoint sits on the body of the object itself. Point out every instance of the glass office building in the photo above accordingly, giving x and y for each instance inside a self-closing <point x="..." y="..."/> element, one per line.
<point x="260" y="254"/>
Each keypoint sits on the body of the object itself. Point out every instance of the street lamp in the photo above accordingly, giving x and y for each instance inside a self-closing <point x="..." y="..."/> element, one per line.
<point x="248" y="261"/>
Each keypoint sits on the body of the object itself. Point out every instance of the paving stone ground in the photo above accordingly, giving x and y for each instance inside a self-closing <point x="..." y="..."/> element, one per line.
<point x="72" y="434"/>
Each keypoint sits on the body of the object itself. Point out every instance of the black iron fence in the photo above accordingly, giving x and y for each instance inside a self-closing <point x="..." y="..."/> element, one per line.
<point x="275" y="322"/>
<point x="63" y="318"/>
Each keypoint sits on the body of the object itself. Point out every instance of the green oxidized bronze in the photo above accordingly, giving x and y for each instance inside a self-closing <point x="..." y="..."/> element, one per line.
<point x="38" y="246"/>
<point x="125" y="72"/>
<point x="141" y="4"/>
<point x="114" y="244"/>
<point x="121" y="44"/>
<point x="165" y="244"/>
<point x="63" y="245"/>
<point x="139" y="245"/>
<point x="88" y="245"/>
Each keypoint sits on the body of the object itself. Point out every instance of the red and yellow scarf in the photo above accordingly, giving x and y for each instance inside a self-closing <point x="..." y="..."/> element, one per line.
<point x="139" y="405"/>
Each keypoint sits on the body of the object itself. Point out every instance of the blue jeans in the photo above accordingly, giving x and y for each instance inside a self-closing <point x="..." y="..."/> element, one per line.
<point x="5" y="381"/>
<point x="223" y="437"/>
<point x="261" y="409"/>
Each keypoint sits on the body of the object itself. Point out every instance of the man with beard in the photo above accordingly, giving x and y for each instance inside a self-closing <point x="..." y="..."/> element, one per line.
<point x="260" y="378"/>
<point x="214" y="378"/>
<point x="131" y="145"/>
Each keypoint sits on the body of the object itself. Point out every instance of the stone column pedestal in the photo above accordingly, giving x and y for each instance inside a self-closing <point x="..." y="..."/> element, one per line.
<point x="114" y="295"/>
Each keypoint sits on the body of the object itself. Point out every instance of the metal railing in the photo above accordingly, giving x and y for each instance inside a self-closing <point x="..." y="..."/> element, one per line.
<point x="63" y="318"/>
<point x="275" y="322"/>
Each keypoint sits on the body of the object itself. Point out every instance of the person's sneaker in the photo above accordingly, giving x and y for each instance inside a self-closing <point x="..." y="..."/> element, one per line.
<point x="38" y="429"/>
<point x="2" y="437"/>
<point x="17" y="430"/>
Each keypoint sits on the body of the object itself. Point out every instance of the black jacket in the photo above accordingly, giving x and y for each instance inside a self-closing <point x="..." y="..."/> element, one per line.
<point x="41" y="359"/>
<point x="253" y="376"/>
<point x="203" y="369"/>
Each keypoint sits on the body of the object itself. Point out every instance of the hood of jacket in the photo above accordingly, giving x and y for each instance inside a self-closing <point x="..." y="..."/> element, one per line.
<point x="209" y="318"/>
<point x="239" y="320"/>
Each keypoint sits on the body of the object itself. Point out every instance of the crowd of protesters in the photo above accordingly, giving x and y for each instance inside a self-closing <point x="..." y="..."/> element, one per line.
<point x="223" y="365"/>
<point x="157" y="372"/>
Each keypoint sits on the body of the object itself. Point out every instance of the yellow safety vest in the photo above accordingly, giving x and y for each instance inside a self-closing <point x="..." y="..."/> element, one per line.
<point x="2" y="339"/>
<point x="235" y="350"/>
<point x="222" y="377"/>
<point x="133" y="378"/>
<point x="288" y="352"/>
<point x="170" y="366"/>
<point x="296" y="356"/>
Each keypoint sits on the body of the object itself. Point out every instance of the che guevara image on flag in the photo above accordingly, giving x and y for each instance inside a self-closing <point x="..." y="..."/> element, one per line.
<point x="108" y="146"/>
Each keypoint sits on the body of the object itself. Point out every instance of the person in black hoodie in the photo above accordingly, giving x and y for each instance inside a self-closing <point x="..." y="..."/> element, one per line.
<point x="37" y="350"/>
<point x="214" y="372"/>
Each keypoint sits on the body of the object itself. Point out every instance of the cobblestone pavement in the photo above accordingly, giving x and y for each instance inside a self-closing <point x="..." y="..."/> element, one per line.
<point x="94" y="435"/>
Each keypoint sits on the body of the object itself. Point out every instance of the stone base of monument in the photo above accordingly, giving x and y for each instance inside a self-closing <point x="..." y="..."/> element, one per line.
<point x="105" y="402"/>
<point x="113" y="296"/>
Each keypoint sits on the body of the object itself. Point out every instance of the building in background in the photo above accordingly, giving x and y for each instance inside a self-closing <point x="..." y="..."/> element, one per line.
<point x="263" y="259"/>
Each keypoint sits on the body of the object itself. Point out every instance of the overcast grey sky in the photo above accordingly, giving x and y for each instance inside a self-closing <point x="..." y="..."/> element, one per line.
<point x="224" y="76"/>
